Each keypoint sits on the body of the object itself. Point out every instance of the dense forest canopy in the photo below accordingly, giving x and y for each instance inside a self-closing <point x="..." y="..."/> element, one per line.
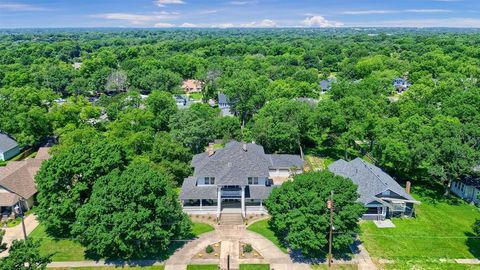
<point x="431" y="132"/>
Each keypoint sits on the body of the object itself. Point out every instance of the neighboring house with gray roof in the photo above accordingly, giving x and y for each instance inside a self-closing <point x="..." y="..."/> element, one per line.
<point x="379" y="192"/>
<point x="468" y="187"/>
<point x="8" y="147"/>
<point x="235" y="178"/>
<point x="224" y="104"/>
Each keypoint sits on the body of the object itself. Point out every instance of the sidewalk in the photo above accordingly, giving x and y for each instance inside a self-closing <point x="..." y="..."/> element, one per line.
<point x="16" y="233"/>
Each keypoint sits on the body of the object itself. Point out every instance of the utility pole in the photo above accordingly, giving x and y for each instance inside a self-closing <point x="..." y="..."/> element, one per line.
<point x="330" y="206"/>
<point x="19" y="211"/>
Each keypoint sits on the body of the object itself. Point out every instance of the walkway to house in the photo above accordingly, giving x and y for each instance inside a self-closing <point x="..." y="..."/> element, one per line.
<point x="16" y="233"/>
<point x="230" y="237"/>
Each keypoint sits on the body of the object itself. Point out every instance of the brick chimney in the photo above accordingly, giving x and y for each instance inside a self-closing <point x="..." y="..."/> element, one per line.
<point x="407" y="187"/>
<point x="211" y="149"/>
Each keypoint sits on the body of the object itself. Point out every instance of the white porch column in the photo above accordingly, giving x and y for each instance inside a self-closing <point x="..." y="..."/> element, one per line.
<point x="201" y="204"/>
<point x="219" y="201"/>
<point x="243" y="202"/>
<point x="261" y="204"/>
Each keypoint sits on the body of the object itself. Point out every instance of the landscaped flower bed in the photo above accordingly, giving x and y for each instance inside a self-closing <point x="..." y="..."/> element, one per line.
<point x="209" y="252"/>
<point x="248" y="252"/>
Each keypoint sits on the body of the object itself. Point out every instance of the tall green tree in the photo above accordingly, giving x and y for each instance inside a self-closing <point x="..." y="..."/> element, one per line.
<point x="24" y="255"/>
<point x="300" y="216"/>
<point x="113" y="225"/>
<point x="65" y="181"/>
<point x="162" y="105"/>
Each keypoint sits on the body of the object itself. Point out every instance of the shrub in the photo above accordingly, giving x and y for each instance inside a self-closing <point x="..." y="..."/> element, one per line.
<point x="209" y="249"/>
<point x="247" y="248"/>
<point x="476" y="227"/>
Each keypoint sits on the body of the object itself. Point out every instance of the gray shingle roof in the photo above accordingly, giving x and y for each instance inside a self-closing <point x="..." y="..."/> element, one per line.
<point x="325" y="84"/>
<point x="371" y="180"/>
<point x="232" y="165"/>
<point x="285" y="161"/>
<point x="190" y="190"/>
<point x="258" y="192"/>
<point x="6" y="142"/>
<point x="222" y="98"/>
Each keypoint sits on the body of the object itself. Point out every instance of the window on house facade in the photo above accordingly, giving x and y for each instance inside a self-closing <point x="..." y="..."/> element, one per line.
<point x="253" y="180"/>
<point x="209" y="180"/>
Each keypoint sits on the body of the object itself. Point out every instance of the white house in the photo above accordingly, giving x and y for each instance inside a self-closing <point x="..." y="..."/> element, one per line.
<point x="8" y="147"/>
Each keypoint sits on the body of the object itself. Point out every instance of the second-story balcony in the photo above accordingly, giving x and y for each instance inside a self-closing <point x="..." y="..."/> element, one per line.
<point x="231" y="192"/>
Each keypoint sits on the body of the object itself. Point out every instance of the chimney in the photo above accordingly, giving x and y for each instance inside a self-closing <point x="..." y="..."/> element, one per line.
<point x="244" y="146"/>
<point x="211" y="149"/>
<point x="407" y="187"/>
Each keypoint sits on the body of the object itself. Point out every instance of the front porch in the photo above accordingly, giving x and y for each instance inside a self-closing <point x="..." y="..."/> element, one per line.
<point x="230" y="199"/>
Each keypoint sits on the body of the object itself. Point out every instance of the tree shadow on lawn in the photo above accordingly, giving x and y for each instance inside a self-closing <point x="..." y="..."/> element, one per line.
<point x="344" y="254"/>
<point x="434" y="193"/>
<point x="162" y="255"/>
<point x="473" y="243"/>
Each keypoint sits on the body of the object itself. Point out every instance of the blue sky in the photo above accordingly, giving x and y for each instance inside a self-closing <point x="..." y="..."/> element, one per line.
<point x="239" y="13"/>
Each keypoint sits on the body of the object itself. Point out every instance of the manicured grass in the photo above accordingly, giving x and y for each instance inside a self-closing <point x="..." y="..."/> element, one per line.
<point x="69" y="250"/>
<point x="196" y="96"/>
<point x="159" y="267"/>
<point x="335" y="267"/>
<point x="199" y="228"/>
<point x="202" y="267"/>
<point x="62" y="250"/>
<point x="429" y="265"/>
<point x="261" y="227"/>
<point x="442" y="229"/>
<point x="254" y="267"/>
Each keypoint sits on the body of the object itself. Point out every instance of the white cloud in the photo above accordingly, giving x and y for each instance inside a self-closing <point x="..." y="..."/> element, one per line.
<point x="164" y="25"/>
<point x="445" y="22"/>
<point x="188" y="25"/>
<point x="222" y="25"/>
<point x="428" y="10"/>
<point x="366" y="12"/>
<point x="320" y="21"/>
<point x="389" y="11"/>
<point x="242" y="3"/>
<point x="12" y="6"/>
<point x="136" y="19"/>
<point x="162" y="3"/>
<point x="266" y="23"/>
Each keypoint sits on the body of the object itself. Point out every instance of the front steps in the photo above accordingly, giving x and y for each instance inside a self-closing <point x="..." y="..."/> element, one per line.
<point x="231" y="219"/>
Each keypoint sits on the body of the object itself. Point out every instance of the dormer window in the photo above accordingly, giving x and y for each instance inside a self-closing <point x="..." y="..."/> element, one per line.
<point x="386" y="193"/>
<point x="209" y="180"/>
<point x="253" y="180"/>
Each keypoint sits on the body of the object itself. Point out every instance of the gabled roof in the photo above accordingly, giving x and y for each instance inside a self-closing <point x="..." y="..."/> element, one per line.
<point x="285" y="161"/>
<point x="222" y="98"/>
<point x="371" y="180"/>
<point x="232" y="165"/>
<point x="18" y="177"/>
<point x="6" y="142"/>
<point x="190" y="190"/>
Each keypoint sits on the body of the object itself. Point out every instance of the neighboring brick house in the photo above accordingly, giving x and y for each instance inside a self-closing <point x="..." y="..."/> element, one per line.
<point x="17" y="182"/>
<point x="8" y="147"/>
<point x="236" y="178"/>
<point x="192" y="86"/>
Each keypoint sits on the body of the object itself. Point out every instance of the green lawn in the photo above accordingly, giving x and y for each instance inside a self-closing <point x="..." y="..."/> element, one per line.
<point x="69" y="250"/>
<point x="160" y="267"/>
<point x="196" y="96"/>
<point x="199" y="228"/>
<point x="442" y="229"/>
<point x="430" y="265"/>
<point x="62" y="250"/>
<point x="202" y="267"/>
<point x="254" y="267"/>
<point x="335" y="267"/>
<point x="261" y="227"/>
